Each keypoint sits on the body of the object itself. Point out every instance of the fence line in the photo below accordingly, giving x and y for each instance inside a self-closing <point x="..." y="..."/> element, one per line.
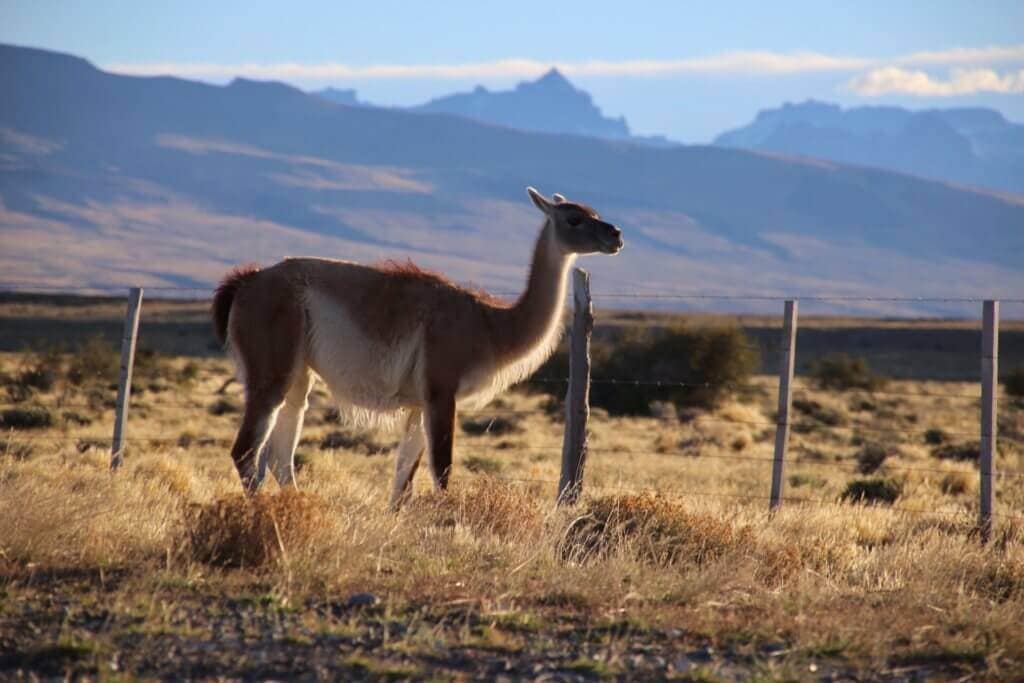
<point x="574" y="450"/>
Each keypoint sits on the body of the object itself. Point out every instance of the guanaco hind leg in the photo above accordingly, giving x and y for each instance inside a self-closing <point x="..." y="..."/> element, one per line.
<point x="280" y="448"/>
<point x="440" y="419"/>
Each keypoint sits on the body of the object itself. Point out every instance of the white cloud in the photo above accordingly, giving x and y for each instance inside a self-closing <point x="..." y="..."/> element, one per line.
<point x="729" y="62"/>
<point x="960" y="56"/>
<point x="745" y="62"/>
<point x="894" y="80"/>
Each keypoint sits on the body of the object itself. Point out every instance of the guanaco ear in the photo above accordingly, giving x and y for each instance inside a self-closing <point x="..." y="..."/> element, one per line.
<point x="539" y="200"/>
<point x="558" y="198"/>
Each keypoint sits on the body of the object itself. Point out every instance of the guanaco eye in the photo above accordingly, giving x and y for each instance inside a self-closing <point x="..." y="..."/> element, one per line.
<point x="575" y="220"/>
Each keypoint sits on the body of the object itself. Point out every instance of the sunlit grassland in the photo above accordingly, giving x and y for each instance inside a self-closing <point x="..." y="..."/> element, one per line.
<point x="673" y="531"/>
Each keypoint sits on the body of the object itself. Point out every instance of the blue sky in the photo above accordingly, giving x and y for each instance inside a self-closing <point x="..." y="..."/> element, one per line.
<point x="683" y="69"/>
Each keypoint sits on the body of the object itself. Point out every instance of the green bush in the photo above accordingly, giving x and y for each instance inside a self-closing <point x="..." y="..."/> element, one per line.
<point x="935" y="437"/>
<point x="696" y="368"/>
<point x="876" y="490"/>
<point x="843" y="372"/>
<point x="1014" y="382"/>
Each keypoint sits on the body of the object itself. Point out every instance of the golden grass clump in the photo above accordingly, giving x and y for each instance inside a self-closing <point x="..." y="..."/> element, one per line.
<point x="241" y="531"/>
<point x="485" y="505"/>
<point x="651" y="528"/>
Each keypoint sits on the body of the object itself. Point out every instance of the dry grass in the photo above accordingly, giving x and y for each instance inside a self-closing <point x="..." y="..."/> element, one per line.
<point x="866" y="583"/>
<point x="241" y="531"/>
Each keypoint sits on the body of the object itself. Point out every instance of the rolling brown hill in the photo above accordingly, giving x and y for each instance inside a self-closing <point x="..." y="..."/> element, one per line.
<point x="161" y="181"/>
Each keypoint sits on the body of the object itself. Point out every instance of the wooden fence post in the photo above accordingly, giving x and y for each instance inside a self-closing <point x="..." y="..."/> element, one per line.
<point x="989" y="384"/>
<point x="577" y="396"/>
<point x="124" y="382"/>
<point x="788" y="353"/>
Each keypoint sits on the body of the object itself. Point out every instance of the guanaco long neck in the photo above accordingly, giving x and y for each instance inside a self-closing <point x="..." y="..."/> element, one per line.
<point x="533" y="321"/>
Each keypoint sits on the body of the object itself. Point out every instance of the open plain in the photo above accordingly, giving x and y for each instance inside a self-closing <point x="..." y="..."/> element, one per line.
<point x="670" y="566"/>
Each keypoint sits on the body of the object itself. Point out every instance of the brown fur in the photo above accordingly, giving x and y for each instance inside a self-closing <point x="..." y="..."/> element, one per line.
<point x="225" y="295"/>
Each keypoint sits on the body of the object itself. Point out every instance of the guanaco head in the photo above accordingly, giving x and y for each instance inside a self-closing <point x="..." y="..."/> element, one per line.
<point x="577" y="227"/>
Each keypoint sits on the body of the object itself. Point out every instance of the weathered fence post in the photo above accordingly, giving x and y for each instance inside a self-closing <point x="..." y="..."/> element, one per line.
<point x="577" y="396"/>
<point x="788" y="353"/>
<point x="989" y="379"/>
<point x="124" y="382"/>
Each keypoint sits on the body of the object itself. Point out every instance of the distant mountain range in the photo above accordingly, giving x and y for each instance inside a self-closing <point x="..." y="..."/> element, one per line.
<point x="971" y="146"/>
<point x="551" y="104"/>
<point x="167" y="182"/>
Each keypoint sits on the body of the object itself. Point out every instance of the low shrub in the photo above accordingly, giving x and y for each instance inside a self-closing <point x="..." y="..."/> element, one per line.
<point x="935" y="437"/>
<point x="955" y="483"/>
<point x="870" y="457"/>
<point x="72" y="417"/>
<point x="818" y="412"/>
<point x="964" y="452"/>
<point x="697" y="367"/>
<point x="843" y="372"/>
<point x="26" y="418"/>
<point x="651" y="528"/>
<point x="352" y="441"/>
<point x="875" y="490"/>
<point x="223" y="406"/>
<point x="95" y="362"/>
<point x="1013" y="382"/>
<point x="482" y="465"/>
<point x="243" y="531"/>
<point x="189" y="372"/>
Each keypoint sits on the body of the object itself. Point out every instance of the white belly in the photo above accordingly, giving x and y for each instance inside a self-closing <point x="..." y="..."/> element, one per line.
<point x="375" y="375"/>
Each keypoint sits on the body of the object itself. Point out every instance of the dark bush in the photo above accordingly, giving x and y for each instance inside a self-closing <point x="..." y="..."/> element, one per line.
<point x="1014" y="382"/>
<point x="72" y="417"/>
<point x="970" y="452"/>
<point x="813" y="409"/>
<point x="876" y="490"/>
<point x="223" y="406"/>
<point x="843" y="372"/>
<point x="482" y="465"/>
<point x="352" y="441"/>
<point x="870" y="457"/>
<point x="697" y="368"/>
<point x="189" y="372"/>
<point x="935" y="437"/>
<point x="26" y="418"/>
<point x="95" y="362"/>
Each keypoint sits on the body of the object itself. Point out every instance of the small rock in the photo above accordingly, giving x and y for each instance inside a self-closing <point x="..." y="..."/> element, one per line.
<point x="362" y="600"/>
<point x="682" y="665"/>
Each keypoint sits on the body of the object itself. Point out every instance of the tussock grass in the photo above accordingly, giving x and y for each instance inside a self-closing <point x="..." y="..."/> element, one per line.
<point x="242" y="531"/>
<point x="651" y="528"/>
